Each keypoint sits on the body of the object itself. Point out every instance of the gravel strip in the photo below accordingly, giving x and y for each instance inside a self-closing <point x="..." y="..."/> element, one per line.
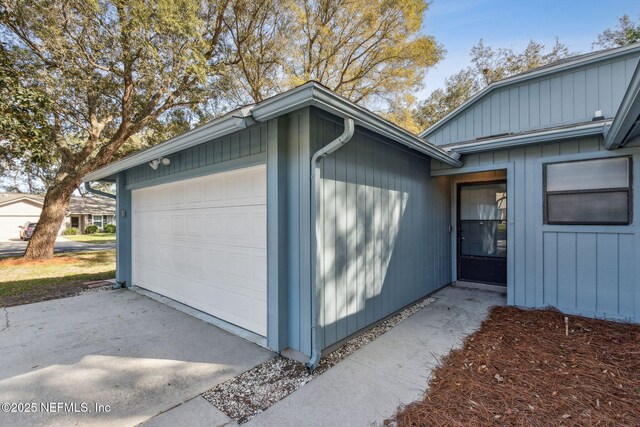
<point x="254" y="391"/>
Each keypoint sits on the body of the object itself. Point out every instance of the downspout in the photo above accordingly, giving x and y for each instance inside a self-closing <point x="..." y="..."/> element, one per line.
<point x="87" y="186"/>
<point x="349" y="129"/>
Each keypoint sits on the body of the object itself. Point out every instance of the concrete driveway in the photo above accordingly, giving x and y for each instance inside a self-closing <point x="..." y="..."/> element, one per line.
<point x="16" y="247"/>
<point x="116" y="348"/>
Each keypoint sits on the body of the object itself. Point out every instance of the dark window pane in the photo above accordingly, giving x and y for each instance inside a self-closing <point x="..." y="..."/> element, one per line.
<point x="588" y="208"/>
<point x="483" y="238"/>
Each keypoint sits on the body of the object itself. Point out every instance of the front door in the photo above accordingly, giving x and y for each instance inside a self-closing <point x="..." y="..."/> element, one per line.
<point x="482" y="232"/>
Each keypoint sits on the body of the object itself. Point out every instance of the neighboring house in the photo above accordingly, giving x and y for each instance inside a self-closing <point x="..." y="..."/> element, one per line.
<point x="18" y="208"/>
<point x="231" y="219"/>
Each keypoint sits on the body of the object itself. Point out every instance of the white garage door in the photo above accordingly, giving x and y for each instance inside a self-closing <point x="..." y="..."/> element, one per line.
<point x="9" y="225"/>
<point x="203" y="241"/>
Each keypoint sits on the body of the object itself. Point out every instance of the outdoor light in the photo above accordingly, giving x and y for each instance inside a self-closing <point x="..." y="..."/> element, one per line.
<point x="597" y="116"/>
<point x="156" y="162"/>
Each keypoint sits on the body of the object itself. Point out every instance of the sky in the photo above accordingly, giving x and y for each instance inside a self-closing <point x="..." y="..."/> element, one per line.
<point x="459" y="24"/>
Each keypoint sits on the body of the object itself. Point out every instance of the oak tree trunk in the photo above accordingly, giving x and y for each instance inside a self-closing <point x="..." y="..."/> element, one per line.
<point x="54" y="210"/>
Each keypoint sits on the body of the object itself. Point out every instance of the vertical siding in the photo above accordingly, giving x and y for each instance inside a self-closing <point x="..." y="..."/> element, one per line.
<point x="555" y="100"/>
<point x="298" y="231"/>
<point x="384" y="229"/>
<point x="579" y="269"/>
<point x="123" y="231"/>
<point x="242" y="144"/>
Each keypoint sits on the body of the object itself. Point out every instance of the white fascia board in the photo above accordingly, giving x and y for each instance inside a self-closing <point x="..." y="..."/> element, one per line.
<point x="284" y="103"/>
<point x="627" y="114"/>
<point x="20" y="199"/>
<point x="596" y="128"/>
<point x="565" y="66"/>
<point x="231" y="122"/>
<point x="318" y="96"/>
<point x="308" y="94"/>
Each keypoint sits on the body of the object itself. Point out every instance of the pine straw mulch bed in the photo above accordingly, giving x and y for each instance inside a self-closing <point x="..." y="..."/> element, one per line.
<point x="521" y="368"/>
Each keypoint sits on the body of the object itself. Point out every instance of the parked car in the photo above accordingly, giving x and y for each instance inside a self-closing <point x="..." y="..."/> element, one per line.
<point x="26" y="230"/>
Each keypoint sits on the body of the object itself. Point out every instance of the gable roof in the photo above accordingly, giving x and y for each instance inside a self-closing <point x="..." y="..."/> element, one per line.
<point x="552" y="68"/>
<point x="77" y="205"/>
<point x="626" y="124"/>
<point x="92" y="205"/>
<point x="309" y="94"/>
<point x="8" y="198"/>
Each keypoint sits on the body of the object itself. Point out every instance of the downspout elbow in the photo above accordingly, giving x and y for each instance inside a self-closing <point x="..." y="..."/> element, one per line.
<point x="87" y="186"/>
<point x="349" y="130"/>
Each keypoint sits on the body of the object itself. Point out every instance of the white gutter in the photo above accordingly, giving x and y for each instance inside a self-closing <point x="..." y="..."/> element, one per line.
<point x="316" y="95"/>
<point x="588" y="129"/>
<point x="235" y="120"/>
<point x="627" y="115"/>
<point x="349" y="129"/>
<point x="309" y="94"/>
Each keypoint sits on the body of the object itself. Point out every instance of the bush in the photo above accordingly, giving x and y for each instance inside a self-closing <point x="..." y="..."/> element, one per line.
<point x="91" y="229"/>
<point x="110" y="228"/>
<point x="70" y="231"/>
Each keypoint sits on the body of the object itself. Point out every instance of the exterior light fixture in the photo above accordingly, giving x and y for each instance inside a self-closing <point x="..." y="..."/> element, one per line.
<point x="156" y="162"/>
<point x="597" y="116"/>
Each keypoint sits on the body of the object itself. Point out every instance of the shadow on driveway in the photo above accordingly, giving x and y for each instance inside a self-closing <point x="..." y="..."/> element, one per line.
<point x="115" y="348"/>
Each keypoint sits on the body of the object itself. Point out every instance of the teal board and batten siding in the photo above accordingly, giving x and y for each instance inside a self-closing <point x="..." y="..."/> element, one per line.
<point x="556" y="100"/>
<point x="297" y="191"/>
<point x="383" y="229"/>
<point x="123" y="231"/>
<point x="590" y="270"/>
<point x="242" y="148"/>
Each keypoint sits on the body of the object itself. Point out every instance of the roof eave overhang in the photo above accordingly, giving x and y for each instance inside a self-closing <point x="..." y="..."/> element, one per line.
<point x="235" y="120"/>
<point x="91" y="212"/>
<point x="320" y="97"/>
<point x="627" y="116"/>
<point x="530" y="76"/>
<point x="20" y="199"/>
<point x="590" y="129"/>
<point x="310" y="94"/>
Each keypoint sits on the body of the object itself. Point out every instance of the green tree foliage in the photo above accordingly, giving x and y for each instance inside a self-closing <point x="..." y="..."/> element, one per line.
<point x="625" y="33"/>
<point x="108" y="71"/>
<point x="25" y="155"/>
<point x="370" y="51"/>
<point x="488" y="65"/>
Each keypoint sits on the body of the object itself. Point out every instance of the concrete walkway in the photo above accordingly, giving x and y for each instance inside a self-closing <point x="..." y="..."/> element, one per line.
<point x="116" y="348"/>
<point x="369" y="385"/>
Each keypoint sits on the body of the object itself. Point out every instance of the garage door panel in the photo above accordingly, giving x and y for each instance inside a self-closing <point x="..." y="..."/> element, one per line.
<point x="259" y="227"/>
<point x="177" y="196"/>
<point x="177" y="225"/>
<point x="197" y="293"/>
<point x="240" y="269"/>
<point x="194" y="194"/>
<point x="206" y="246"/>
<point x="194" y="225"/>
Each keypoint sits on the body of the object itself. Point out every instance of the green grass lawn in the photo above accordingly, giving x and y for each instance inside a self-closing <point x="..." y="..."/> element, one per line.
<point x="25" y="281"/>
<point x="93" y="238"/>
